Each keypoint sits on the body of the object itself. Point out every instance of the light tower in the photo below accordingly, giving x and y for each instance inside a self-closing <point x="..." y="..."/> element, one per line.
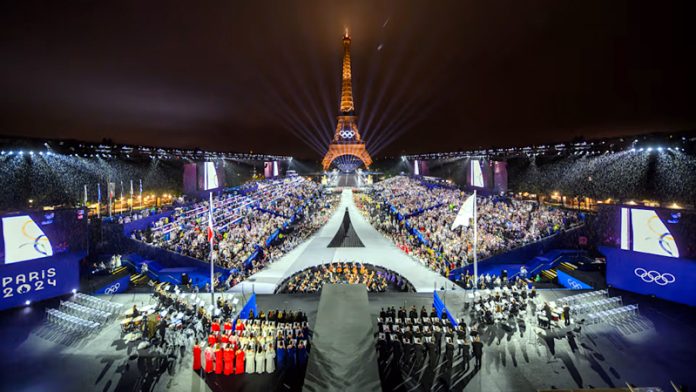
<point x="347" y="140"/>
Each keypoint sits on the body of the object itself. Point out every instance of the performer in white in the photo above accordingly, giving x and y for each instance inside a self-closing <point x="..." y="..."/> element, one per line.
<point x="249" y="360"/>
<point x="270" y="359"/>
<point x="260" y="360"/>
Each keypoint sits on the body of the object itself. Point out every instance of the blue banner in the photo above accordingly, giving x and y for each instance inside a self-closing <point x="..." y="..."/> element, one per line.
<point x="570" y="282"/>
<point x="118" y="286"/>
<point x="272" y="237"/>
<point x="643" y="273"/>
<point x="36" y="280"/>
<point x="249" y="306"/>
<point x="441" y="308"/>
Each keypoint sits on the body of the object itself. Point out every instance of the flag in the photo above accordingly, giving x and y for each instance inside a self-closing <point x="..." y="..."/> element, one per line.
<point x="210" y="219"/>
<point x="466" y="212"/>
<point x="99" y="193"/>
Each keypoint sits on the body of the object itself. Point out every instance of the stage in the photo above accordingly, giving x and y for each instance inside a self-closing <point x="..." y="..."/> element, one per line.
<point x="377" y="250"/>
<point x="659" y="347"/>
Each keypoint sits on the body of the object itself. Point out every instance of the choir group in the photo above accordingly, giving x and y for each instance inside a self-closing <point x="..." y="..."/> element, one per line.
<point x="263" y="344"/>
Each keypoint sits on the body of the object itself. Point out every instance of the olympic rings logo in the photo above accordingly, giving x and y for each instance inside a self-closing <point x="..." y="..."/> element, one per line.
<point x="113" y="289"/>
<point x="347" y="134"/>
<point x="574" y="285"/>
<point x="654" y="277"/>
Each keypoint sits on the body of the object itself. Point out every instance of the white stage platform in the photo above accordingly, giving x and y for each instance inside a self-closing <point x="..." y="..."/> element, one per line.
<point x="378" y="250"/>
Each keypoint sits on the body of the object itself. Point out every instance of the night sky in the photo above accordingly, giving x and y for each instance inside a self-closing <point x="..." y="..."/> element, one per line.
<point x="263" y="76"/>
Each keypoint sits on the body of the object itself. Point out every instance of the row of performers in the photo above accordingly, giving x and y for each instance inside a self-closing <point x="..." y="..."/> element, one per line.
<point x="228" y="358"/>
<point x="257" y="327"/>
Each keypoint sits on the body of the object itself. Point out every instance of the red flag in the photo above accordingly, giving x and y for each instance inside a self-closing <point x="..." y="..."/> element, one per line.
<point x="211" y="233"/>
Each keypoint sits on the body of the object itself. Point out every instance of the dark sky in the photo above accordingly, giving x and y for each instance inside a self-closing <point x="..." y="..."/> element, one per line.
<point x="264" y="75"/>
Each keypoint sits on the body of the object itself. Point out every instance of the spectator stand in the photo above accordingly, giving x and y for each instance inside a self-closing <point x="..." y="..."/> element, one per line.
<point x="228" y="210"/>
<point x="423" y="213"/>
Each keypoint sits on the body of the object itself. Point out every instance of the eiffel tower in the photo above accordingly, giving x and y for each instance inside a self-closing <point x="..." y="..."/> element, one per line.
<point x="347" y="140"/>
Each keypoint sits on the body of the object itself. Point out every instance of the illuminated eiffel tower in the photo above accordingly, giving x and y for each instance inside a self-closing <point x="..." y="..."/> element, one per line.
<point x="346" y="141"/>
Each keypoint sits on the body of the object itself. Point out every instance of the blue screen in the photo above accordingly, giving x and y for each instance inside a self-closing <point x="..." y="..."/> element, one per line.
<point x="40" y="253"/>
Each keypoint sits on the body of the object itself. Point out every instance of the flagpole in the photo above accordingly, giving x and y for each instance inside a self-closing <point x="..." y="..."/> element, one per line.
<point x="212" y="269"/>
<point x="475" y="241"/>
<point x="98" y="200"/>
<point x="108" y="191"/>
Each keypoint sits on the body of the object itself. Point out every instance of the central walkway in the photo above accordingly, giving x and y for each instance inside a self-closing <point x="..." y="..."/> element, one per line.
<point x="378" y="250"/>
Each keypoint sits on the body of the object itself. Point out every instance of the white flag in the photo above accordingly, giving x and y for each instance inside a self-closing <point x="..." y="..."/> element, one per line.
<point x="466" y="212"/>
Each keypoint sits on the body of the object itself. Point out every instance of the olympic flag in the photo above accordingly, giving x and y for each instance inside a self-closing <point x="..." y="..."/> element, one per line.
<point x="467" y="212"/>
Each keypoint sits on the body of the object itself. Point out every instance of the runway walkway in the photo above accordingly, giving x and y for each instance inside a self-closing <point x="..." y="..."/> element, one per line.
<point x="378" y="250"/>
<point x="343" y="348"/>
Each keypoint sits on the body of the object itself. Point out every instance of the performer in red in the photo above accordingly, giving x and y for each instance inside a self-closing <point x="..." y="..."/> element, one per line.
<point x="239" y="363"/>
<point x="209" y="359"/>
<point x="196" y="356"/>
<point x="218" y="360"/>
<point x="228" y="327"/>
<point x="216" y="326"/>
<point x="240" y="326"/>
<point x="228" y="356"/>
<point x="224" y="338"/>
<point x="211" y="340"/>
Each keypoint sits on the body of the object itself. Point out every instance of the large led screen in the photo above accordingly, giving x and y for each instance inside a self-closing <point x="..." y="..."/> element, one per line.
<point x="24" y="240"/>
<point x="476" y="174"/>
<point x="40" y="253"/>
<point x="210" y="177"/>
<point x="36" y="235"/>
<point x="659" y="231"/>
<point x="642" y="230"/>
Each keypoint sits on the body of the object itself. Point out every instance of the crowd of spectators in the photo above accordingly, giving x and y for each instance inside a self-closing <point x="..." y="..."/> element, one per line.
<point x="243" y="224"/>
<point x="314" y="218"/>
<point x="503" y="223"/>
<point x="313" y="279"/>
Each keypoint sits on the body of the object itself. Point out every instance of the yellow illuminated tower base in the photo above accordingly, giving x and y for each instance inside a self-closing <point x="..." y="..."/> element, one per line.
<point x="346" y="141"/>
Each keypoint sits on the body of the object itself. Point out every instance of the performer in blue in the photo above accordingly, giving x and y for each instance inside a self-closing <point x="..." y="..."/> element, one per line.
<point x="281" y="354"/>
<point x="302" y="355"/>
<point x="292" y="356"/>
